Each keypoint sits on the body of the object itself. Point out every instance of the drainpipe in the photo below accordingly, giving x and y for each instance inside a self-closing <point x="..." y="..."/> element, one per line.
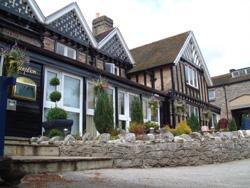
<point x="225" y="91"/>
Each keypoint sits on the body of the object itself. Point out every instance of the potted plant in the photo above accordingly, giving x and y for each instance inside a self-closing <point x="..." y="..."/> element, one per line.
<point x="179" y="108"/>
<point x="14" y="59"/>
<point x="100" y="85"/>
<point x="207" y="115"/>
<point x="56" y="117"/>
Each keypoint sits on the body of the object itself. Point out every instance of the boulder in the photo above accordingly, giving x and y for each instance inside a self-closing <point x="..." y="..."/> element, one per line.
<point x="55" y="139"/>
<point x="86" y="137"/>
<point x="150" y="137"/>
<point x="104" y="138"/>
<point x="240" y="134"/>
<point x="186" y="137"/>
<point x="226" y="135"/>
<point x="207" y="136"/>
<point x="196" y="136"/>
<point x="179" y="139"/>
<point x="42" y="138"/>
<point x="168" y="137"/>
<point x="69" y="139"/>
<point x="130" y="137"/>
<point x="247" y="133"/>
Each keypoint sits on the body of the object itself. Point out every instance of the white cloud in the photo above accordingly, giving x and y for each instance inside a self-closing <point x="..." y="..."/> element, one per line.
<point x="221" y="27"/>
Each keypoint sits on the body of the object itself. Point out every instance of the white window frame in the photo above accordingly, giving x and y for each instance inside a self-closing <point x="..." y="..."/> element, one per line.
<point x="117" y="71"/>
<point x="66" y="50"/>
<point x="125" y="117"/>
<point x="195" y="110"/>
<point x="1" y="65"/>
<point x="49" y="104"/>
<point x="112" y="68"/>
<point x="149" y="113"/>
<point x="192" y="76"/>
<point x="214" y="95"/>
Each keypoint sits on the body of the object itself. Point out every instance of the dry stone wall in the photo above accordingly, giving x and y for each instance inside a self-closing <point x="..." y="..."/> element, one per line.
<point x="159" y="153"/>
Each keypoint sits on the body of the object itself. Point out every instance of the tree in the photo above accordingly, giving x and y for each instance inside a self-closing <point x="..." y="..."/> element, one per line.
<point x="103" y="116"/>
<point x="232" y="125"/>
<point x="136" y="110"/>
<point x="193" y="123"/>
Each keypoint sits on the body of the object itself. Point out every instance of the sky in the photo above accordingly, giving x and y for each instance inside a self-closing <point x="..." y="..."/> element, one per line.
<point x="221" y="27"/>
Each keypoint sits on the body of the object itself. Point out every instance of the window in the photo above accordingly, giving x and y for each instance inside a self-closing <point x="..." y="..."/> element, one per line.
<point x="121" y="101"/>
<point x="90" y="98"/>
<point x="211" y="95"/>
<point x="71" y="101"/>
<point x="241" y="72"/>
<point x="110" y="67"/>
<point x="65" y="50"/>
<point x="117" y="71"/>
<point x="131" y="98"/>
<point x="191" y="76"/>
<point x="1" y="65"/>
<point x="145" y="109"/>
<point x="192" y="109"/>
<point x="214" y="120"/>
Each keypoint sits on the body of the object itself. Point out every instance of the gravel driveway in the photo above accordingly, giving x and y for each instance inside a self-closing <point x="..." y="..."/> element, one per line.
<point x="232" y="174"/>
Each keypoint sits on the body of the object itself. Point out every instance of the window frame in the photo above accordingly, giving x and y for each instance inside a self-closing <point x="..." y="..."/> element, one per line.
<point x="112" y="68"/>
<point x="66" y="50"/>
<point x="214" y="95"/>
<point x="191" y="76"/>
<point x="1" y="65"/>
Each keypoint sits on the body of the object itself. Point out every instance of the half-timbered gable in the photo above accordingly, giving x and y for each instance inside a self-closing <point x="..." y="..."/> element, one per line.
<point x="175" y="65"/>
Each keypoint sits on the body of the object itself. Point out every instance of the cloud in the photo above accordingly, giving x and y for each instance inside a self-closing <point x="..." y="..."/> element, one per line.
<point x="221" y="27"/>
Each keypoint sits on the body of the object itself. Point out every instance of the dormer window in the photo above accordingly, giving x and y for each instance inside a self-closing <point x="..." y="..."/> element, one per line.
<point x="110" y="67"/>
<point x="240" y="72"/>
<point x="191" y="76"/>
<point x="65" y="50"/>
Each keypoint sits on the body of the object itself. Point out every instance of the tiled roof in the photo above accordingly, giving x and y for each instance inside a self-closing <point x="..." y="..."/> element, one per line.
<point x="228" y="79"/>
<point x="158" y="53"/>
<point x="102" y="35"/>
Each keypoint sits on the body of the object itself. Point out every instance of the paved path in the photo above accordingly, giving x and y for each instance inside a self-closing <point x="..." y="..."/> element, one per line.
<point x="232" y="174"/>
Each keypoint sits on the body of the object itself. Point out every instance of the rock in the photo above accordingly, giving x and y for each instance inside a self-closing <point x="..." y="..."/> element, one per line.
<point x="44" y="142"/>
<point x="42" y="138"/>
<point x="130" y="137"/>
<point x="247" y="133"/>
<point x="151" y="137"/>
<point x="34" y="139"/>
<point x="186" y="137"/>
<point x="168" y="137"/>
<point x="208" y="136"/>
<point x="56" y="138"/>
<point x="240" y="134"/>
<point x="226" y="135"/>
<point x="104" y="138"/>
<point x="196" y="136"/>
<point x="179" y="139"/>
<point x="69" y="139"/>
<point x="86" y="137"/>
<point x="217" y="139"/>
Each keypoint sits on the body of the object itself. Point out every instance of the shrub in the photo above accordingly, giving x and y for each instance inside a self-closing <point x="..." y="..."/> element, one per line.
<point x="193" y="123"/>
<point x="136" y="110"/>
<point x="169" y="129"/>
<point x="183" y="128"/>
<point x="55" y="96"/>
<point x="56" y="113"/>
<point x="54" y="81"/>
<point x="77" y="136"/>
<point x="136" y="128"/>
<point x="232" y="125"/>
<point x="223" y="123"/>
<point x="151" y="124"/>
<point x="114" y="132"/>
<point x="55" y="132"/>
<point x="103" y="116"/>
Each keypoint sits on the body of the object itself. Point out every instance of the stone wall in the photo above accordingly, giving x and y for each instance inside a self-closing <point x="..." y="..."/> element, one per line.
<point x="182" y="151"/>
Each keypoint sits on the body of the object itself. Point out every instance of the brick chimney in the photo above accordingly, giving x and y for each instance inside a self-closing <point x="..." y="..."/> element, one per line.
<point x="101" y="24"/>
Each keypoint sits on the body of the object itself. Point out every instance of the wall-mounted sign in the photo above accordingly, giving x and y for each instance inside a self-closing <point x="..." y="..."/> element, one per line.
<point x="25" y="89"/>
<point x="27" y="70"/>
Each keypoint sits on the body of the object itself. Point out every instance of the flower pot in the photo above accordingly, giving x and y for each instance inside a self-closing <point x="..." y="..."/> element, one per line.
<point x="59" y="124"/>
<point x="11" y="67"/>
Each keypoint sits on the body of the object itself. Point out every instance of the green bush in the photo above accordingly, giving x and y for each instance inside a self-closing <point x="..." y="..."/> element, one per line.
<point x="182" y="128"/>
<point x="136" y="128"/>
<point x="151" y="124"/>
<point x="55" y="132"/>
<point x="54" y="81"/>
<point x="103" y="116"/>
<point x="136" y="110"/>
<point x="56" y="113"/>
<point x="55" y="96"/>
<point x="193" y="123"/>
<point x="232" y="125"/>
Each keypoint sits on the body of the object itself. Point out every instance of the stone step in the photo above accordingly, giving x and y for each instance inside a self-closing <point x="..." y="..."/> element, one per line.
<point x="16" y="140"/>
<point x="12" y="169"/>
<point x="20" y="149"/>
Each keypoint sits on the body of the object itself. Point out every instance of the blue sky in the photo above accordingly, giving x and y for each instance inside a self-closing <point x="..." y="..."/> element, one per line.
<point x="221" y="27"/>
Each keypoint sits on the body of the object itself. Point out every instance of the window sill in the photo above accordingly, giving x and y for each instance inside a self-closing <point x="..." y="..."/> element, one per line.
<point x="193" y="87"/>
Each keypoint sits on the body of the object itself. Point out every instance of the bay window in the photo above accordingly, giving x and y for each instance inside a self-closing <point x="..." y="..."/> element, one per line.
<point x="191" y="76"/>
